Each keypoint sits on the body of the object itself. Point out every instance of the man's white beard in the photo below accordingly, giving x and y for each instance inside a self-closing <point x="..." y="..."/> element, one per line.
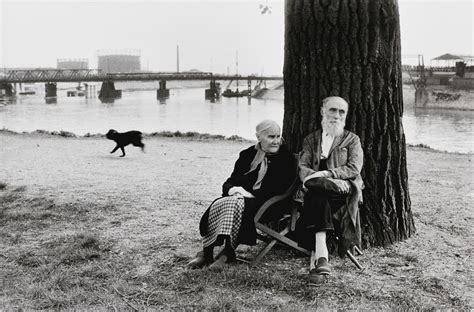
<point x="333" y="129"/>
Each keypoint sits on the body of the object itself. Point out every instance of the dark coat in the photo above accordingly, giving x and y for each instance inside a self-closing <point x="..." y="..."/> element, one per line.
<point x="281" y="172"/>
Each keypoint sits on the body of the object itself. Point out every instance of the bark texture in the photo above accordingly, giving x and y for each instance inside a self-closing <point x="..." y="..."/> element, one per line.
<point x="351" y="48"/>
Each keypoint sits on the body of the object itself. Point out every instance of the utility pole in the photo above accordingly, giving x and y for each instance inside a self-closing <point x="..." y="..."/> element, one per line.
<point x="177" y="58"/>
<point x="236" y="63"/>
<point x="237" y="68"/>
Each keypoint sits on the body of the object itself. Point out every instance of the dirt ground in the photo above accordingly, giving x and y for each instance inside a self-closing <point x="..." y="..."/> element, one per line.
<point x="146" y="207"/>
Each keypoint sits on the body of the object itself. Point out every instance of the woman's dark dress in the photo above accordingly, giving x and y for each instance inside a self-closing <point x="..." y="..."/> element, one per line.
<point x="280" y="174"/>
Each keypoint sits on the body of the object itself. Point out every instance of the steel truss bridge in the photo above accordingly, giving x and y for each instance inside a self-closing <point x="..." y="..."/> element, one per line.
<point x="95" y="75"/>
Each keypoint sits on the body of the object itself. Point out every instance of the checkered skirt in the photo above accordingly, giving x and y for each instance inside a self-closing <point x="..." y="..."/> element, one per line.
<point x="225" y="218"/>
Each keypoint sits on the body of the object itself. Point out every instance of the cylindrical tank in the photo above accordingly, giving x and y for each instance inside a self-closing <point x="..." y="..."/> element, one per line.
<point x="72" y="64"/>
<point x="119" y="63"/>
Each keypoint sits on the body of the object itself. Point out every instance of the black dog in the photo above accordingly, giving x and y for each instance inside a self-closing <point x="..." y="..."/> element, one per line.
<point x="125" y="138"/>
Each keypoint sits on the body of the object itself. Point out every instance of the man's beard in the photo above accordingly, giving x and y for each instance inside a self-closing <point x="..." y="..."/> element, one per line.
<point x="333" y="129"/>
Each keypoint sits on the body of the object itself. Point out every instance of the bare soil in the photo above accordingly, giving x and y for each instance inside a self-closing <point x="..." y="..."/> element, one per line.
<point x="83" y="229"/>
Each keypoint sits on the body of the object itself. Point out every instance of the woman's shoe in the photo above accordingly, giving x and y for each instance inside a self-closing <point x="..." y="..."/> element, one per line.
<point x="199" y="262"/>
<point x="219" y="264"/>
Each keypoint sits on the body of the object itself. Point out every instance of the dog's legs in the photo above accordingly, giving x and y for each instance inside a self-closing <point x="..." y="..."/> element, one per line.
<point x="115" y="148"/>
<point x="123" y="151"/>
<point x="139" y="144"/>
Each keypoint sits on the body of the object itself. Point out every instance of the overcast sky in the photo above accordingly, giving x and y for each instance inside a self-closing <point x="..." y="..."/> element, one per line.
<point x="36" y="33"/>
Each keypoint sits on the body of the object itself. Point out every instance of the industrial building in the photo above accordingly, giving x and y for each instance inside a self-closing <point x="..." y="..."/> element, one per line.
<point x="72" y="64"/>
<point x="119" y="62"/>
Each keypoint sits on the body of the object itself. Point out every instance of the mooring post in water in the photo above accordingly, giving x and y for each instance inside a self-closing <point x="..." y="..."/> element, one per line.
<point x="162" y="92"/>
<point x="107" y="91"/>
<point x="421" y="95"/>
<point x="249" y="86"/>
<point x="50" y="89"/>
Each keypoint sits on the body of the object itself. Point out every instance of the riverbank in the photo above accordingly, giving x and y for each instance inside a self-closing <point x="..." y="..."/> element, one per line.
<point x="84" y="229"/>
<point x="178" y="134"/>
<point x="443" y="97"/>
<point x="439" y="97"/>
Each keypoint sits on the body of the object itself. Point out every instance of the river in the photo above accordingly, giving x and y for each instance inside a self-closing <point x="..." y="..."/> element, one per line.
<point x="187" y="110"/>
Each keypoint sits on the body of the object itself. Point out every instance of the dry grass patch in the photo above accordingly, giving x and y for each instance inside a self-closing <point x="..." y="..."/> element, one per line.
<point x="124" y="246"/>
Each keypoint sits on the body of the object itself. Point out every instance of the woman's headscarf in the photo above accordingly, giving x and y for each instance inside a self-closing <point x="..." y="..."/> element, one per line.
<point x="261" y="156"/>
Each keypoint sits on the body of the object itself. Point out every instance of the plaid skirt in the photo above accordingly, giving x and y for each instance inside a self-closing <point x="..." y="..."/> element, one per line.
<point x="225" y="218"/>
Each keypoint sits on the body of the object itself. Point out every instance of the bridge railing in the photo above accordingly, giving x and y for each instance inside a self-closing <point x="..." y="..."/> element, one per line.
<point x="86" y="75"/>
<point x="159" y="76"/>
<point x="53" y="75"/>
<point x="414" y="68"/>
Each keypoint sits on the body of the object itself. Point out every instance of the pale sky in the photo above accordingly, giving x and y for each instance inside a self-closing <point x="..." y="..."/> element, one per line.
<point x="36" y="33"/>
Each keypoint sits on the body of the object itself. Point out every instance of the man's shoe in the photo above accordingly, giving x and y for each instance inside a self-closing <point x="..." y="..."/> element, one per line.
<point x="316" y="278"/>
<point x="199" y="262"/>
<point x="322" y="266"/>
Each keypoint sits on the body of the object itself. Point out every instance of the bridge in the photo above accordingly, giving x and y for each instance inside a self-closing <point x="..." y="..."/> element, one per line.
<point x="96" y="75"/>
<point x="52" y="76"/>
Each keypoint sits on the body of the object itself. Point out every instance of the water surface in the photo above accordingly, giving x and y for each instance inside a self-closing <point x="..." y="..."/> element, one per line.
<point x="187" y="110"/>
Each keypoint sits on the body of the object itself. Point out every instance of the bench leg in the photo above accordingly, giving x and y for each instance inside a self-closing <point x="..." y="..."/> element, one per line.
<point x="358" y="251"/>
<point x="354" y="260"/>
<point x="264" y="252"/>
<point x="281" y="238"/>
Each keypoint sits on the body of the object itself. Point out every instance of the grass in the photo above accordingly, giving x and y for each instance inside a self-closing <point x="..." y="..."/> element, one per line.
<point x="166" y="134"/>
<point x="54" y="256"/>
<point x="195" y="135"/>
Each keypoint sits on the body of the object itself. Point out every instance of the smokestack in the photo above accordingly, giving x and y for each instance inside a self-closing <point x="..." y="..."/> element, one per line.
<point x="177" y="58"/>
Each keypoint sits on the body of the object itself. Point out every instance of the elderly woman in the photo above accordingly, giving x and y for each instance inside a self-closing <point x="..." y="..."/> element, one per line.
<point x="263" y="170"/>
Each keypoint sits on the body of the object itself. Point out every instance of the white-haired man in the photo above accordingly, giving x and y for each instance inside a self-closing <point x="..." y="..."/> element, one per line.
<point x="330" y="165"/>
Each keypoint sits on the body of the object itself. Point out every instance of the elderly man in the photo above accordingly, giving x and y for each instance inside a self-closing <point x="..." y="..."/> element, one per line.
<point x="330" y="165"/>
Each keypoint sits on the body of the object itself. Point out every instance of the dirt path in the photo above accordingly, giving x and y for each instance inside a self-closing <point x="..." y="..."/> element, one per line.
<point x="151" y="201"/>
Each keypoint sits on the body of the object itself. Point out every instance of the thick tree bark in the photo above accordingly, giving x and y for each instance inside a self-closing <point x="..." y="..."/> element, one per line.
<point x="351" y="48"/>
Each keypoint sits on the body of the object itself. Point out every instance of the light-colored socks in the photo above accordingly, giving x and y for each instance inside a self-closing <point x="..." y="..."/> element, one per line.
<point x="321" y="249"/>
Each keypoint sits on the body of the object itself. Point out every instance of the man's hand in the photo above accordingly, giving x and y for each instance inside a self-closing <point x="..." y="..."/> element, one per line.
<point x="240" y="190"/>
<point x="343" y="186"/>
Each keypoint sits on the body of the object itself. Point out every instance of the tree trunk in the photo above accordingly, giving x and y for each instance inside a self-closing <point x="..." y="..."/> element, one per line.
<point x="351" y="48"/>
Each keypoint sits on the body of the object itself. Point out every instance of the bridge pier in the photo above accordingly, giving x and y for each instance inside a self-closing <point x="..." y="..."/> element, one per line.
<point x="162" y="92"/>
<point x="8" y="88"/>
<point x="50" y="89"/>
<point x="107" y="91"/>
<point x="214" y="90"/>
<point x="51" y="100"/>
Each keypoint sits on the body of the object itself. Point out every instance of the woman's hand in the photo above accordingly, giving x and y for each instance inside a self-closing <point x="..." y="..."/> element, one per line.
<point x="240" y="190"/>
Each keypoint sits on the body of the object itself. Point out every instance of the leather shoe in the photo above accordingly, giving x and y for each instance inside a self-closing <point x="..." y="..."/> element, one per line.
<point x="219" y="264"/>
<point x="322" y="266"/>
<point x="316" y="278"/>
<point x="199" y="261"/>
